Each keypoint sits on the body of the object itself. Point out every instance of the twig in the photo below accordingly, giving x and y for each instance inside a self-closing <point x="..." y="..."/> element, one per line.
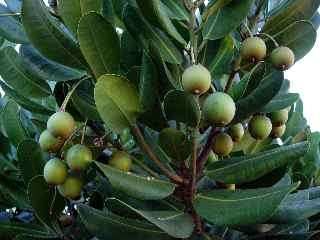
<point x="235" y="70"/>
<point x="84" y="131"/>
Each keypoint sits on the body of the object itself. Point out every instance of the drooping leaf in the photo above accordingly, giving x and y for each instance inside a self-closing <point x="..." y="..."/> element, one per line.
<point x="281" y="102"/>
<point x="240" y="207"/>
<point x="144" y="188"/>
<point x="176" y="10"/>
<point x="15" y="74"/>
<point x="244" y="169"/>
<point x="182" y="107"/>
<point x="48" y="37"/>
<point x="117" y="102"/>
<point x="99" y="44"/>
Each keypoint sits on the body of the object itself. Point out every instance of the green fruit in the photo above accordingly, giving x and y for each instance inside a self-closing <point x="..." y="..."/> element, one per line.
<point x="61" y="124"/>
<point x="71" y="188"/>
<point x="279" y="118"/>
<point x="236" y="132"/>
<point x="282" y="58"/>
<point x="219" y="109"/>
<point x="222" y="144"/>
<point x="196" y="79"/>
<point x="49" y="143"/>
<point x="253" y="49"/>
<point x="212" y="157"/>
<point x="79" y="157"/>
<point x="121" y="160"/>
<point x="277" y="132"/>
<point x="55" y="172"/>
<point x="260" y="127"/>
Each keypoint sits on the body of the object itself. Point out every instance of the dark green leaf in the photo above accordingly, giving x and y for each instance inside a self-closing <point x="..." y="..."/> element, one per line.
<point x="130" y="51"/>
<point x="14" y="5"/>
<point x="281" y="102"/>
<point x="176" y="10"/>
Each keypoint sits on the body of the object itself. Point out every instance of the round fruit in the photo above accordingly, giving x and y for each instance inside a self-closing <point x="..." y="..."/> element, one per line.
<point x="277" y="132"/>
<point x="79" y="157"/>
<point x="222" y="144"/>
<point x="253" y="49"/>
<point x="219" y="109"/>
<point x="282" y="58"/>
<point x="260" y="127"/>
<point x="196" y="79"/>
<point x="55" y="172"/>
<point x="121" y="160"/>
<point x="236" y="132"/>
<point x="61" y="124"/>
<point x="49" y="143"/>
<point x="280" y="117"/>
<point x="71" y="188"/>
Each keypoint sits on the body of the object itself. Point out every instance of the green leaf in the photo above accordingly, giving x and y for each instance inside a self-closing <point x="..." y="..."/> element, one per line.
<point x="316" y="21"/>
<point x="182" y="107"/>
<point x="154" y="11"/>
<point x="30" y="159"/>
<point x="106" y="226"/>
<point x="45" y="68"/>
<point x="72" y="10"/>
<point x="240" y="207"/>
<point x="14" y="5"/>
<point x="237" y="170"/>
<point x="144" y="188"/>
<point x="146" y="34"/>
<point x="281" y="102"/>
<point x="15" y="74"/>
<point x="99" y="44"/>
<point x="300" y="37"/>
<point x="45" y="200"/>
<point x="176" y="10"/>
<point x="291" y="11"/>
<point x="10" y="27"/>
<point x="177" y="224"/>
<point x="259" y="97"/>
<point x="117" y="102"/>
<point x="11" y="122"/>
<point x="226" y="19"/>
<point x="130" y="55"/>
<point x="45" y="33"/>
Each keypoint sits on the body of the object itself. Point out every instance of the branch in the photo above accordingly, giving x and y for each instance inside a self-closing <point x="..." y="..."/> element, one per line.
<point x="235" y="70"/>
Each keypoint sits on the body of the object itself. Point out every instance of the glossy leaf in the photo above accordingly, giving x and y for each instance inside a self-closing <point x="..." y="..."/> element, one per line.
<point x="117" y="102"/>
<point x="182" y="107"/>
<point x="106" y="226"/>
<point x="144" y="188"/>
<point x="15" y="74"/>
<point x="281" y="102"/>
<point x="99" y="44"/>
<point x="240" y="207"/>
<point x="48" y="37"/>
<point x="245" y="169"/>
<point x="176" y="10"/>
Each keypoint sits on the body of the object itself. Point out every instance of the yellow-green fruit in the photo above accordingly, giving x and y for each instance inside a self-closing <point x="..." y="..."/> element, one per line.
<point x="49" y="143"/>
<point x="71" y="188"/>
<point x="279" y="118"/>
<point x="260" y="127"/>
<point x="61" y="124"/>
<point x="277" y="132"/>
<point x="253" y="49"/>
<point x="222" y="144"/>
<point x="55" y="172"/>
<point x="236" y="132"/>
<point x="121" y="160"/>
<point x="196" y="79"/>
<point x="79" y="157"/>
<point x="282" y="58"/>
<point x="219" y="109"/>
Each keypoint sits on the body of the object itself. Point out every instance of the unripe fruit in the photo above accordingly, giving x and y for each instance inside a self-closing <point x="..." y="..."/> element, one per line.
<point x="212" y="157"/>
<point x="49" y="143"/>
<point x="71" y="188"/>
<point x="277" y="132"/>
<point x="79" y="157"/>
<point x="279" y="118"/>
<point x="219" y="109"/>
<point x="61" y="124"/>
<point x="260" y="127"/>
<point x="196" y="79"/>
<point x="121" y="160"/>
<point x="236" y="132"/>
<point x="282" y="58"/>
<point x="55" y="172"/>
<point x="253" y="49"/>
<point x="222" y="144"/>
